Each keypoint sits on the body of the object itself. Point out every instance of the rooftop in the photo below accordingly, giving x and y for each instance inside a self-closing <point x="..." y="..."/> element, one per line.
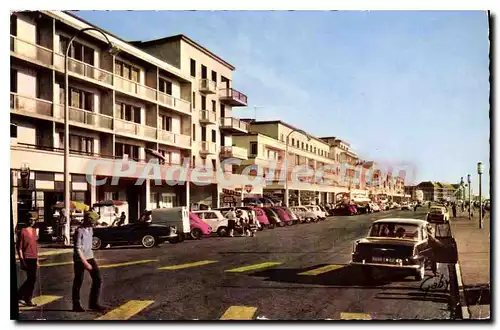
<point x="267" y="122"/>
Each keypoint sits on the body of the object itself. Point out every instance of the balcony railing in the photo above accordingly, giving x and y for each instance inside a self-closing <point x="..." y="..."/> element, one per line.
<point x="234" y="123"/>
<point x="233" y="97"/>
<point x="31" y="50"/>
<point x="207" y="116"/>
<point x="174" y="103"/>
<point x="208" y="147"/>
<point x="84" y="69"/>
<point x="134" y="87"/>
<point x="128" y="127"/>
<point x="232" y="151"/>
<point x="208" y="86"/>
<point x="175" y="139"/>
<point x="90" y="118"/>
<point x="30" y="105"/>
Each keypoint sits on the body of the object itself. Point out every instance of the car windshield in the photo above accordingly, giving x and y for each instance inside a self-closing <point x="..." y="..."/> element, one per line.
<point x="395" y="230"/>
<point x="436" y="210"/>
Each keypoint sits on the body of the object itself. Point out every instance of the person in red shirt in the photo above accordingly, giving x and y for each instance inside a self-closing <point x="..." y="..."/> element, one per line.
<point x="27" y="248"/>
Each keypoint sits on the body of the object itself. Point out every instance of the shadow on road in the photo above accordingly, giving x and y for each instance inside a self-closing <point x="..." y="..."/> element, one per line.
<point x="420" y="296"/>
<point x="478" y="294"/>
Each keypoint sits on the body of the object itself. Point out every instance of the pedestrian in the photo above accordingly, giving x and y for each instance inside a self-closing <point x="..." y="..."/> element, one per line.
<point x="120" y="221"/>
<point x="454" y="210"/>
<point x="484" y="210"/>
<point x="83" y="259"/>
<point x="27" y="249"/>
<point x="231" y="221"/>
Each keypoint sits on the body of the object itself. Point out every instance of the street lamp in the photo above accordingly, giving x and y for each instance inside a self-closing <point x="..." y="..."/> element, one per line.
<point x="479" y="172"/>
<point x="286" y="161"/>
<point x="67" y="196"/>
<point x="470" y="209"/>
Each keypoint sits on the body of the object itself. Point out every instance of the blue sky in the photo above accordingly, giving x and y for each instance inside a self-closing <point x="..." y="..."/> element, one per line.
<point x="399" y="86"/>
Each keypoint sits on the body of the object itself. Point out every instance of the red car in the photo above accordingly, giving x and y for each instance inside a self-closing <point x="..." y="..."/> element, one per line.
<point x="198" y="226"/>
<point x="262" y="218"/>
<point x="284" y="217"/>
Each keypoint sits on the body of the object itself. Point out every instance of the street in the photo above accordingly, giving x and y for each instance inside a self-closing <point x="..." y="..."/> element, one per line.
<point x="291" y="273"/>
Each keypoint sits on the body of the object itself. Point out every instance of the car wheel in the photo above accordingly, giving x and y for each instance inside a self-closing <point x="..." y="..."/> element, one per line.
<point x="222" y="231"/>
<point x="97" y="243"/>
<point x="281" y="224"/>
<point x="271" y="226"/>
<point x="308" y="220"/>
<point x="420" y="274"/>
<point x="322" y="218"/>
<point x="148" y="241"/>
<point x="261" y="227"/>
<point x="196" y="233"/>
<point x="289" y="223"/>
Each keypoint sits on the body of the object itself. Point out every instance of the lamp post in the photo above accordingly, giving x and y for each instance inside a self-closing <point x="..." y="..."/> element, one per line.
<point x="286" y="161"/>
<point x="470" y="209"/>
<point x="480" y="172"/>
<point x="67" y="196"/>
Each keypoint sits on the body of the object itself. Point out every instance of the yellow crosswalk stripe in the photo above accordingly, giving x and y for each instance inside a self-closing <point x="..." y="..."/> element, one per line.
<point x="189" y="265"/>
<point x="40" y="301"/>
<point x="239" y="313"/>
<point x="54" y="252"/>
<point x="355" y="316"/>
<point x="253" y="267"/>
<point x="127" y="310"/>
<point x="128" y="263"/>
<point x="321" y="270"/>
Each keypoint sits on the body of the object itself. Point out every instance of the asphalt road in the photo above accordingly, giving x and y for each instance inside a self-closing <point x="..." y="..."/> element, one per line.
<point x="292" y="273"/>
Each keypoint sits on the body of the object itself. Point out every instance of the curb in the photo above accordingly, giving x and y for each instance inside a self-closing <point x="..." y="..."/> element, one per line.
<point x="463" y="302"/>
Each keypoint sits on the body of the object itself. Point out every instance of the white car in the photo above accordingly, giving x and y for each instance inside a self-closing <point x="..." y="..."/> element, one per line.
<point x="214" y="219"/>
<point x="374" y="207"/>
<point x="304" y="214"/>
<point x="320" y="214"/>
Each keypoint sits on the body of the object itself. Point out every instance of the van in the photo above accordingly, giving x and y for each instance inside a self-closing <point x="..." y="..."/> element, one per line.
<point x="175" y="216"/>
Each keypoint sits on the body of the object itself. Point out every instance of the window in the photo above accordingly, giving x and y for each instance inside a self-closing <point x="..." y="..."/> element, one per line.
<point x="78" y="143"/>
<point x="302" y="145"/>
<point x="225" y="82"/>
<point x="167" y="155"/>
<point x="214" y="106"/>
<point x="214" y="164"/>
<point x="126" y="71"/>
<point x="165" y="86"/>
<point x="203" y="103"/>
<point x="203" y="133"/>
<point x="282" y="138"/>
<point x="222" y="140"/>
<point x="78" y="51"/>
<point x="194" y="132"/>
<point x="314" y="149"/>
<point x="13" y="26"/>
<point x="222" y="110"/>
<point x="293" y="142"/>
<point x="194" y="161"/>
<point x="214" y="136"/>
<point x="81" y="99"/>
<point x="297" y="159"/>
<point x="214" y="76"/>
<point x="126" y="149"/>
<point x="128" y="112"/>
<point x="13" y="80"/>
<point x="203" y="72"/>
<point x="165" y="123"/>
<point x="253" y="148"/>
<point x="193" y="68"/>
<point x="194" y="100"/>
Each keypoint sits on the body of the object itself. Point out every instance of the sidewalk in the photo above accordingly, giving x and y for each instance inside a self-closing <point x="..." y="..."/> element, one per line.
<point x="473" y="268"/>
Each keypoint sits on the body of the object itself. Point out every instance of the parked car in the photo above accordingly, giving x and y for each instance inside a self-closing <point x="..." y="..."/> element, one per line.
<point x="215" y="220"/>
<point x="284" y="217"/>
<point x="343" y="209"/>
<point x="262" y="218"/>
<point x="405" y="206"/>
<point x="375" y="207"/>
<point x="393" y="244"/>
<point x="363" y="208"/>
<point x="438" y="214"/>
<point x="146" y="233"/>
<point x="304" y="214"/>
<point x="273" y="217"/>
<point x="293" y="217"/>
<point x="321" y="215"/>
<point x="198" y="226"/>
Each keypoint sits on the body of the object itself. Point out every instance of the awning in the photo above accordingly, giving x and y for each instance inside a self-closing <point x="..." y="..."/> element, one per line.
<point x="155" y="153"/>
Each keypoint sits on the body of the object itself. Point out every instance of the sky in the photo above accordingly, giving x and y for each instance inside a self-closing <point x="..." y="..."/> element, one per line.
<point x="408" y="87"/>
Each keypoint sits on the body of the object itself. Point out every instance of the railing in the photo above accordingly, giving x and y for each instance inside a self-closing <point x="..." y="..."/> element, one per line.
<point x="233" y="94"/>
<point x="89" y="118"/>
<point x="209" y="116"/>
<point x="232" y="151"/>
<point x="134" y="87"/>
<point x="128" y="127"/>
<point x="208" y="85"/>
<point x="173" y="102"/>
<point x="31" y="50"/>
<point x="208" y="147"/>
<point x="84" y="69"/>
<point x="30" y="104"/>
<point x="235" y="123"/>
<point x="173" y="138"/>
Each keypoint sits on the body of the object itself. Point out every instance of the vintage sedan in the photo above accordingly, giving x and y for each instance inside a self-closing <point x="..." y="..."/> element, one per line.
<point x="438" y="214"/>
<point x="394" y="244"/>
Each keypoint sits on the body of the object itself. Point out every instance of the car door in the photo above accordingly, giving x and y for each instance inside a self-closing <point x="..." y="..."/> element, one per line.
<point x="211" y="219"/>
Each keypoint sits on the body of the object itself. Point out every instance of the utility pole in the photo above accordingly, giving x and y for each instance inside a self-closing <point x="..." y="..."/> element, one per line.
<point x="470" y="208"/>
<point x="480" y="172"/>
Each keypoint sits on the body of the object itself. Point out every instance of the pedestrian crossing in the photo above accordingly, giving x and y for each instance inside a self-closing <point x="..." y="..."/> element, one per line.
<point x="126" y="311"/>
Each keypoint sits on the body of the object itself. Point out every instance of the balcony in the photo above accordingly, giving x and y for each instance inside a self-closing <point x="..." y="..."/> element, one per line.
<point x="233" y="125"/>
<point x="134" y="129"/>
<point x="208" y="86"/>
<point x="89" y="118"/>
<point x="30" y="51"/>
<point x="234" y="152"/>
<point x="178" y="140"/>
<point x="135" y="88"/>
<point x="174" y="103"/>
<point x="84" y="70"/>
<point x="232" y="97"/>
<point x="208" y="148"/>
<point x="25" y="105"/>
<point x="208" y="117"/>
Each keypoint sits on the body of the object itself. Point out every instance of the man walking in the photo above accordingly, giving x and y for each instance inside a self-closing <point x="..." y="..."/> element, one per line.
<point x="454" y="210"/>
<point x="231" y="221"/>
<point x="27" y="248"/>
<point x="83" y="259"/>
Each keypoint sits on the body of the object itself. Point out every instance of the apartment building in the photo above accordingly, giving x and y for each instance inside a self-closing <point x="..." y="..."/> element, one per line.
<point x="213" y="99"/>
<point x="122" y="105"/>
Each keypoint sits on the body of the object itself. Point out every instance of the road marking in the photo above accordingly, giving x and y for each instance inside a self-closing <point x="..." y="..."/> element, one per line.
<point x="321" y="270"/>
<point x="62" y="263"/>
<point x="127" y="310"/>
<point x="128" y="263"/>
<point x="189" y="265"/>
<point x="55" y="252"/>
<point x="40" y="301"/>
<point x="355" y="316"/>
<point x="239" y="313"/>
<point x="253" y="267"/>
